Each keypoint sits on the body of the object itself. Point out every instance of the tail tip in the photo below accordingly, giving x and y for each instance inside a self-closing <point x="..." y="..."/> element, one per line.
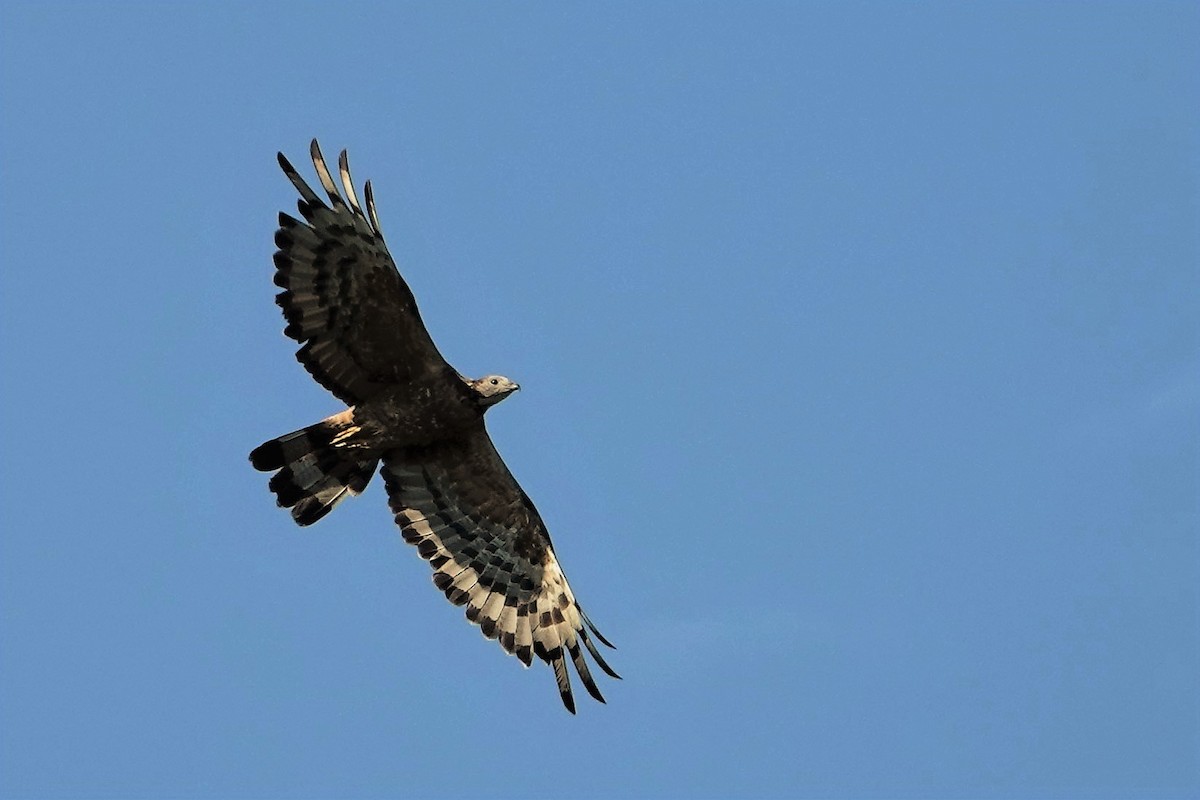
<point x="267" y="456"/>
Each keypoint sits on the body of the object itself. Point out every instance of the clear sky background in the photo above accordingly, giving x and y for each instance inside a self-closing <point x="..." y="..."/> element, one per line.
<point x="861" y="371"/>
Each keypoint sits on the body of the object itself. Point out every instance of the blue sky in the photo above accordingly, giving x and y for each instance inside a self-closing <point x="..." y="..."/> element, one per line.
<point x="861" y="374"/>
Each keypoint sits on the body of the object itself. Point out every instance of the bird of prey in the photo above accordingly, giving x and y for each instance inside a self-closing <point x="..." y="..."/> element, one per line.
<point x="362" y="338"/>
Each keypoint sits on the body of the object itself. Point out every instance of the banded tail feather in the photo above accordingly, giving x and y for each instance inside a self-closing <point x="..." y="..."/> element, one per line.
<point x="312" y="474"/>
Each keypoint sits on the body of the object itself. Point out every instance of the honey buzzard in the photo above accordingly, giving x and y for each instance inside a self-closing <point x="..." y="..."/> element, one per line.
<point x="452" y="496"/>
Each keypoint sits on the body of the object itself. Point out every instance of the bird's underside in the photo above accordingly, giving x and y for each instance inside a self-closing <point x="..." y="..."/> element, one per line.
<point x="449" y="491"/>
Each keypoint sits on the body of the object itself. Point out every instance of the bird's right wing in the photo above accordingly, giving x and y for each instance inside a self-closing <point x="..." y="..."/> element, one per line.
<point x="466" y="514"/>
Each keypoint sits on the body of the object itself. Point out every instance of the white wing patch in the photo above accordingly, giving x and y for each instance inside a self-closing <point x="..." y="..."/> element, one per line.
<point x="508" y="579"/>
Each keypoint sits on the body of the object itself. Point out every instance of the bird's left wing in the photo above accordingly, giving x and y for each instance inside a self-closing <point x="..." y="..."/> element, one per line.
<point x="466" y="514"/>
<point x="344" y="300"/>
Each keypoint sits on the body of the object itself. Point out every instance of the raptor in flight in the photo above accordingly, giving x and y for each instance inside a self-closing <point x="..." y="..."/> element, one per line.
<point x="362" y="338"/>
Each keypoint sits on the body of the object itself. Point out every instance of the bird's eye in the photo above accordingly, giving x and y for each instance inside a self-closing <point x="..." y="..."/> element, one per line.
<point x="495" y="382"/>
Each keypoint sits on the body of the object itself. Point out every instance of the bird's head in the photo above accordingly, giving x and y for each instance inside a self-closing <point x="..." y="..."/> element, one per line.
<point x="493" y="388"/>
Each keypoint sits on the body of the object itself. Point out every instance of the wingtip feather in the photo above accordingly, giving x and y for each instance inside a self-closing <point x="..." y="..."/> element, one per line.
<point x="591" y="626"/>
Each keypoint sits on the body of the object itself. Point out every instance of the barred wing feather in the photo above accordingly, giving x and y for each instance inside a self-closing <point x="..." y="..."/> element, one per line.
<point x="490" y="552"/>
<point x="343" y="298"/>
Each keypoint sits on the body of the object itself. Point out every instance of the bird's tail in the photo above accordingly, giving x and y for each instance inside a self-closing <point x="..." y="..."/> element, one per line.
<point x="314" y="474"/>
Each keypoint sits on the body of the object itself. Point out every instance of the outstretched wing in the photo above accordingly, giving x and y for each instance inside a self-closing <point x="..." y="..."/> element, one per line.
<point x="344" y="300"/>
<point x="462" y="508"/>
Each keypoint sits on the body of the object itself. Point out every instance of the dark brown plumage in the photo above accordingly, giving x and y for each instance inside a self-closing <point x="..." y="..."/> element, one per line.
<point x="362" y="338"/>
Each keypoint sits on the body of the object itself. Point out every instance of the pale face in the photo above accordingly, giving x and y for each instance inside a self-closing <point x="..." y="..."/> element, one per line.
<point x="494" y="388"/>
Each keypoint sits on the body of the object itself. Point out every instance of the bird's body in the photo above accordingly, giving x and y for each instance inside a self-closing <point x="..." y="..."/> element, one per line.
<point x="363" y="339"/>
<point x="415" y="413"/>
